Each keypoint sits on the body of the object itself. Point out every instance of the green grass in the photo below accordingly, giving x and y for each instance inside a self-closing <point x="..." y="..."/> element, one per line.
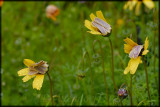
<point x="28" y="33"/>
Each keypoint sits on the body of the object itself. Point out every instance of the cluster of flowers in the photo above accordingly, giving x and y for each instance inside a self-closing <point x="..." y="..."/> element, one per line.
<point x="97" y="26"/>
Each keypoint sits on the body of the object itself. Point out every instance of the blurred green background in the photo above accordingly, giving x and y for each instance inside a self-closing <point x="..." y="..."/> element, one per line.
<point x="28" y="34"/>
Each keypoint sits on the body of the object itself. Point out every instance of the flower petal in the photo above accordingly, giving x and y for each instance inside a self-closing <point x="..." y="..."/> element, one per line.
<point x="130" y="42"/>
<point x="132" y="4"/>
<point x="126" y="5"/>
<point x="28" y="62"/>
<point x="92" y="16"/>
<point x="95" y="32"/>
<point x="100" y="15"/>
<point x="146" y="44"/>
<point x="88" y="24"/>
<point x="134" y="64"/>
<point x="38" y="81"/>
<point x="23" y="72"/>
<point x="27" y="77"/>
<point x="145" y="52"/>
<point x="127" y="48"/>
<point x="126" y="70"/>
<point x="137" y="10"/>
<point x="149" y="4"/>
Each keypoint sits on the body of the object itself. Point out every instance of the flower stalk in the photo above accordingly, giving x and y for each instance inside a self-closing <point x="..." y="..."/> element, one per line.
<point x="107" y="96"/>
<point x="131" y="90"/>
<point x="51" y="94"/>
<point x="112" y="65"/>
<point x="91" y="76"/>
<point x="147" y="80"/>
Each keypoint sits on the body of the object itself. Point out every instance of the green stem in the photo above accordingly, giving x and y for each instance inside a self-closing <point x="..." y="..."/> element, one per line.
<point x="50" y="87"/>
<point x="147" y="79"/>
<point x="131" y="90"/>
<point x="91" y="76"/>
<point x="102" y="66"/>
<point x="112" y="65"/>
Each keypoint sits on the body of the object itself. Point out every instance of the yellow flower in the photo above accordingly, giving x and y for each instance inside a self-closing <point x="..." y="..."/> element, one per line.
<point x="99" y="25"/>
<point x="135" y="52"/>
<point x="52" y="11"/>
<point x="136" y="3"/>
<point x="36" y="70"/>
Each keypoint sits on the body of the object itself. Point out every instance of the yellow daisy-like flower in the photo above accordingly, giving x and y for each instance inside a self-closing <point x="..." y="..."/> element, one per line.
<point x="135" y="52"/>
<point x="36" y="70"/>
<point x="99" y="25"/>
<point x="52" y="11"/>
<point x="137" y="4"/>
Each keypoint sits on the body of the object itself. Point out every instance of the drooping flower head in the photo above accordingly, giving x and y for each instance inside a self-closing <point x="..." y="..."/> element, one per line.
<point x="122" y="93"/>
<point x="137" y="4"/>
<point x="52" y="11"/>
<point x="135" y="52"/>
<point x="1" y="2"/>
<point x="98" y="25"/>
<point x="36" y="70"/>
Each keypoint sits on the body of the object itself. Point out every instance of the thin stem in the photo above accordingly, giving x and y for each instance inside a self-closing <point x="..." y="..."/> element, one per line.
<point x="147" y="79"/>
<point x="131" y="90"/>
<point x="50" y="87"/>
<point x="112" y="65"/>
<point x="102" y="66"/>
<point x="154" y="60"/>
<point x="121" y="102"/>
<point x="91" y="76"/>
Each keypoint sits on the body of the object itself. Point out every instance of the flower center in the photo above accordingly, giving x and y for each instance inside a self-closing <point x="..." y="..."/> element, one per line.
<point x="134" y="53"/>
<point x="101" y="25"/>
<point x="40" y="67"/>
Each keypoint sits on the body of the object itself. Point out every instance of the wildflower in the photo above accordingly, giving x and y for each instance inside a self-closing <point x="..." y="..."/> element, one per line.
<point x="122" y="93"/>
<point x="99" y="25"/>
<point x="36" y="70"/>
<point x="136" y="3"/>
<point x="135" y="52"/>
<point x="52" y="11"/>
<point x="81" y="75"/>
<point x="1" y="2"/>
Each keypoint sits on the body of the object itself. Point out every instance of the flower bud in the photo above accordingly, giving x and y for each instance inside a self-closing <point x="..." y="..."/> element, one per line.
<point x="122" y="93"/>
<point x="52" y="11"/>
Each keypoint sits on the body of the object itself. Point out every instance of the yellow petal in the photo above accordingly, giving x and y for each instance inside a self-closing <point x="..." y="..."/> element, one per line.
<point x="145" y="52"/>
<point x="27" y="77"/>
<point x="130" y="42"/>
<point x="137" y="10"/>
<point x="134" y="64"/>
<point x="38" y="81"/>
<point x="127" y="48"/>
<point x="149" y="4"/>
<point x="28" y="62"/>
<point x="53" y="18"/>
<point x="100" y="15"/>
<point x="95" y="32"/>
<point x="88" y="24"/>
<point x="126" y="70"/>
<point x="132" y="4"/>
<point x="92" y="16"/>
<point x="146" y="44"/>
<point x="126" y="5"/>
<point x="23" y="72"/>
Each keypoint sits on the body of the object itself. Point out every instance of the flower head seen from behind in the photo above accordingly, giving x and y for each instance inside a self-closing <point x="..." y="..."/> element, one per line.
<point x="36" y="70"/>
<point x="98" y="25"/>
<point x="52" y="11"/>
<point x="1" y="2"/>
<point x="135" y="52"/>
<point x="137" y="4"/>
